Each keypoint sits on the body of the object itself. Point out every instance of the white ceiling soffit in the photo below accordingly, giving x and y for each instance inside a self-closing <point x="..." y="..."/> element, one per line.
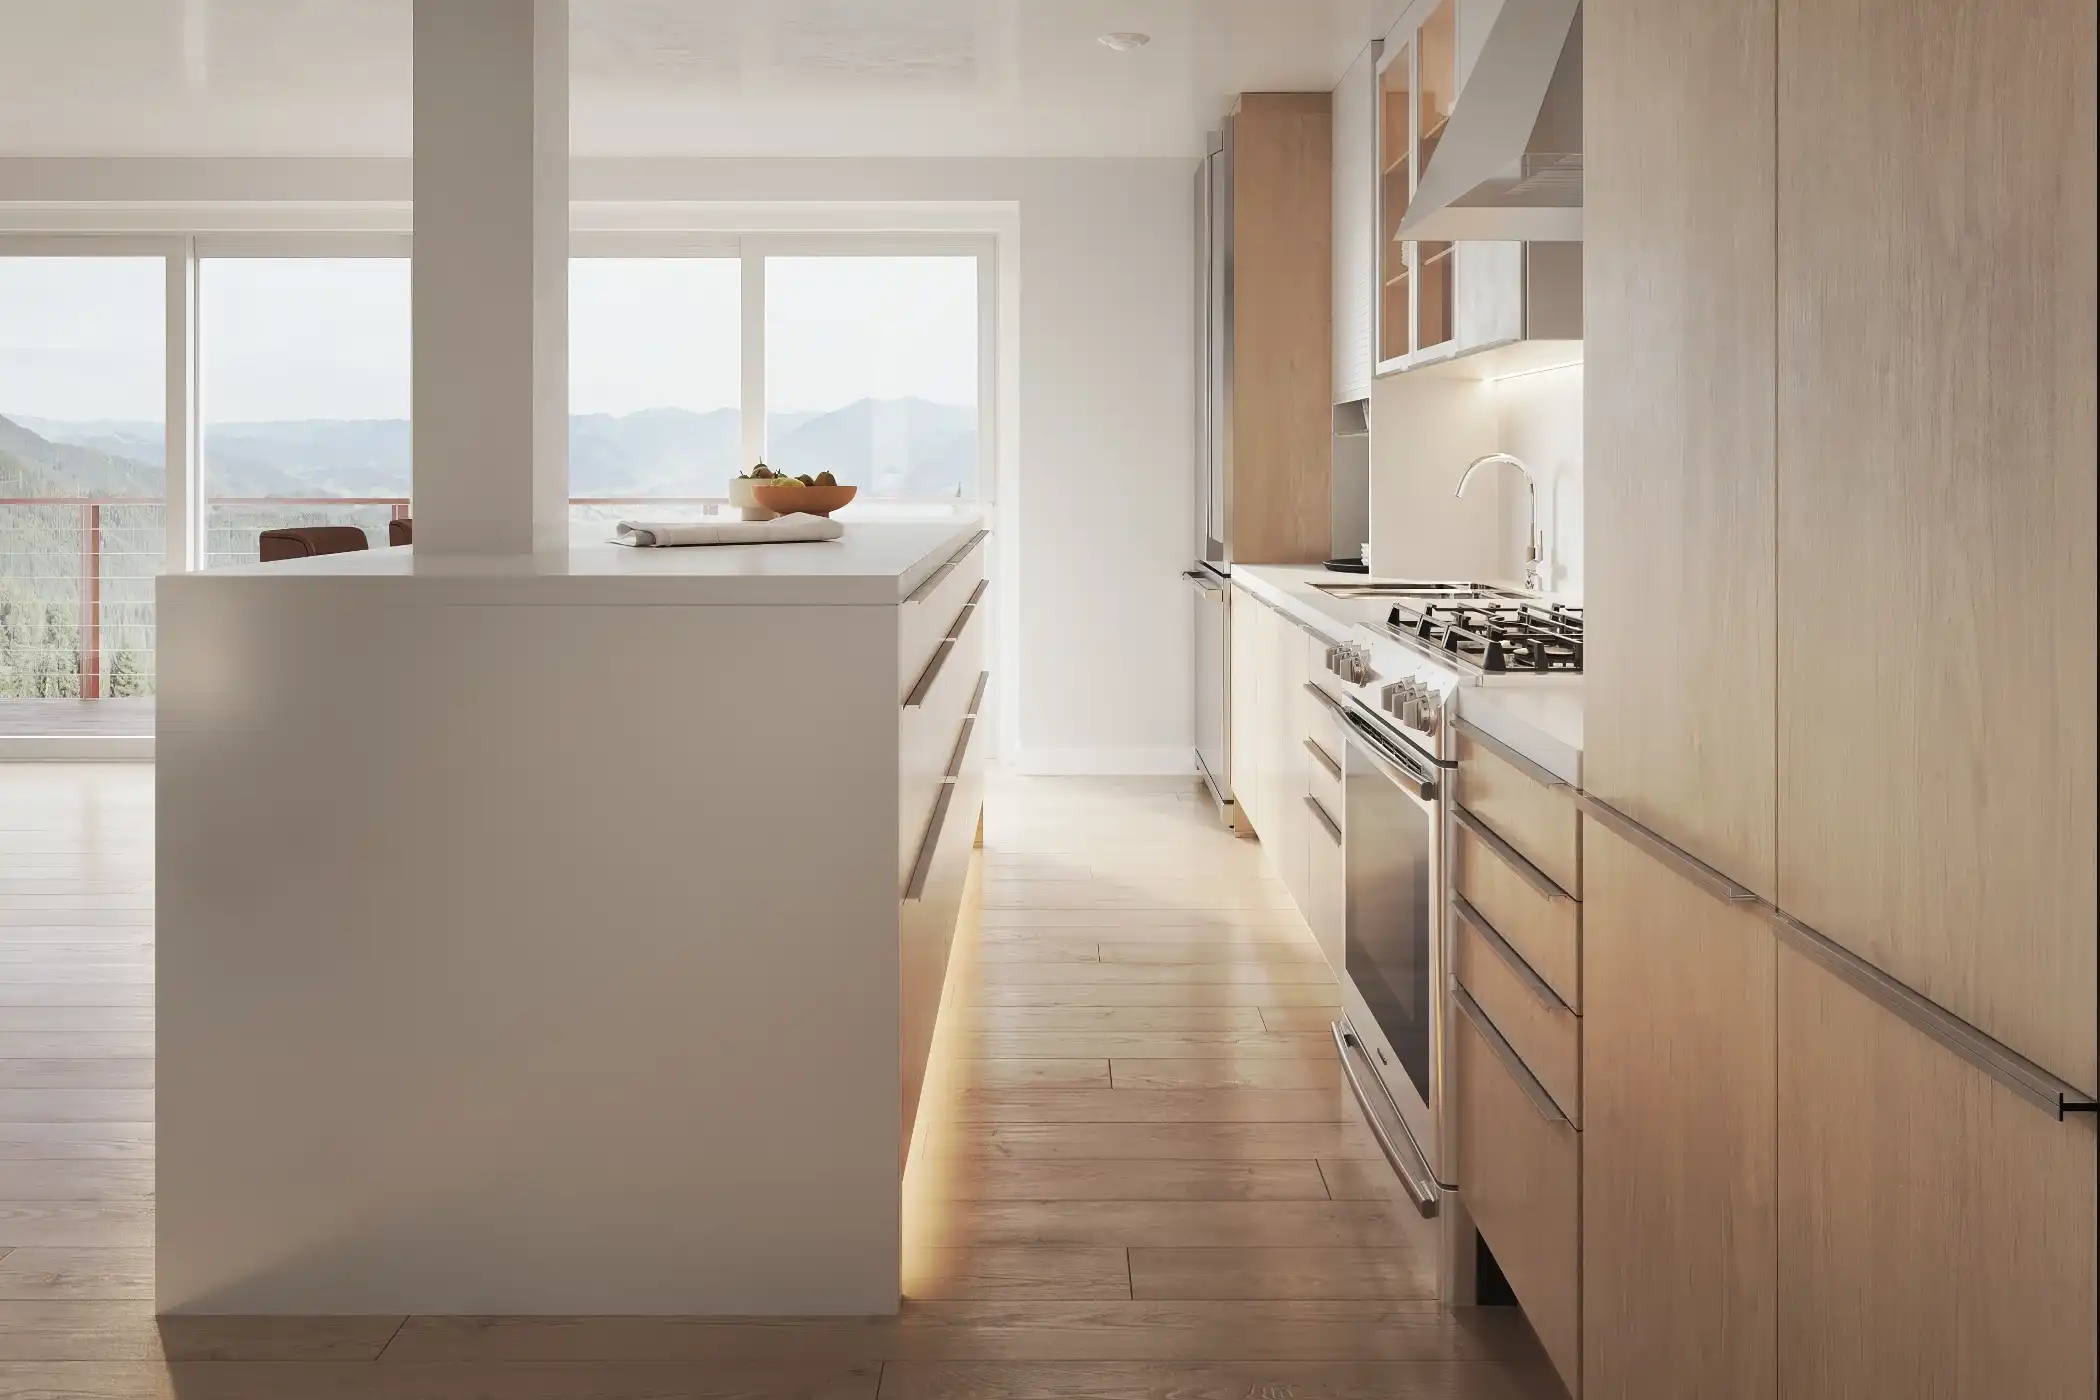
<point x="674" y="77"/>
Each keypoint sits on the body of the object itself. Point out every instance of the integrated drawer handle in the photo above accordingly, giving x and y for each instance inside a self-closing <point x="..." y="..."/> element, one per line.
<point x="1526" y="1080"/>
<point x="2000" y="1061"/>
<point x="977" y="593"/>
<point x="984" y="678"/>
<point x="962" y="746"/>
<point x="932" y="672"/>
<point x="1386" y="1124"/>
<point x="1520" y="969"/>
<point x="933" y="580"/>
<point x="1693" y="869"/>
<point x="1334" y="833"/>
<point x="1544" y="777"/>
<point x="915" y="889"/>
<point x="2009" y="1067"/>
<point x="1334" y="770"/>
<point x="1531" y="875"/>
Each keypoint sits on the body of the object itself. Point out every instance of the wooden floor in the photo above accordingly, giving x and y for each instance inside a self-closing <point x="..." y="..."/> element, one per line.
<point x="1140" y="1174"/>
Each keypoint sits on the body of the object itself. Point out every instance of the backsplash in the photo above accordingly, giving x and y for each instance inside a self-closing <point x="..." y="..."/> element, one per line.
<point x="1539" y="418"/>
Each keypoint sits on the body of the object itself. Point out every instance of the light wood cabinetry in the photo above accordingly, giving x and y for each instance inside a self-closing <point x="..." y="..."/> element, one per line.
<point x="1520" y="1167"/>
<point x="1540" y="920"/>
<point x="1355" y="226"/>
<point x="1532" y="811"/>
<point x="1936" y="1232"/>
<point x="1677" y="1113"/>
<point x="1678" y="422"/>
<point x="1540" y="1027"/>
<point x="1278" y="434"/>
<point x="1936" y="494"/>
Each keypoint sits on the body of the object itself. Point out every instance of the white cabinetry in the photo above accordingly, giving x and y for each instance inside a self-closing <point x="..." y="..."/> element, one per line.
<point x="1287" y="751"/>
<point x="1355" y="226"/>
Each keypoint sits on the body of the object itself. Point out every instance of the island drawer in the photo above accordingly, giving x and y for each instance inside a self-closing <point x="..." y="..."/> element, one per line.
<point x="926" y="615"/>
<point x="1520" y="1175"/>
<point x="928" y="912"/>
<point x="930" y="725"/>
<point x="1526" y="805"/>
<point x="1532" y="913"/>
<point x="1539" y="1026"/>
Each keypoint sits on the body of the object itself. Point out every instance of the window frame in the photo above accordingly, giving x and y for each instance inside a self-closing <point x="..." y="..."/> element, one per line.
<point x="752" y="249"/>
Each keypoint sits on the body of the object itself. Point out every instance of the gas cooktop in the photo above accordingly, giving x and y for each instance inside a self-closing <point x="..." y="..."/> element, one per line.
<point x="1496" y="636"/>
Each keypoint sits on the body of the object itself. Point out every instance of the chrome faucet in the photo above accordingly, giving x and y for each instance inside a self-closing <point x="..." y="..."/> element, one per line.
<point x="1534" y="554"/>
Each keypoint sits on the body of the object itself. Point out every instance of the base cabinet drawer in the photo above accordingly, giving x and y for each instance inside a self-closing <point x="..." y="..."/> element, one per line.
<point x="925" y="617"/>
<point x="1538" y="1025"/>
<point x="1520" y="1175"/>
<point x="1537" y="817"/>
<point x="927" y="916"/>
<point x="1540" y="920"/>
<point x="1326" y="879"/>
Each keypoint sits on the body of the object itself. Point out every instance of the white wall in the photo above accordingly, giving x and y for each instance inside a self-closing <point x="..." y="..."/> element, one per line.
<point x="1425" y="428"/>
<point x="1097" y="662"/>
<point x="1539" y="418"/>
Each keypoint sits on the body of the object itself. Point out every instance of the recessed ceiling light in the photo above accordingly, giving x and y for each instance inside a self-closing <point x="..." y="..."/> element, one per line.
<point x="1125" y="40"/>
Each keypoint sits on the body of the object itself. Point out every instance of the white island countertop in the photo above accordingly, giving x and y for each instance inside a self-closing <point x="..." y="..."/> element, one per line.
<point x="875" y="563"/>
<point x="1539" y="718"/>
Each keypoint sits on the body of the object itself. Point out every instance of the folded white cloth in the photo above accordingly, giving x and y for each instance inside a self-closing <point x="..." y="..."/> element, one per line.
<point x="782" y="529"/>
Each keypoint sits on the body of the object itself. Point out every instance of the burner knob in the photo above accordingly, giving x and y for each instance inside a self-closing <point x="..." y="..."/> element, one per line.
<point x="1432" y="713"/>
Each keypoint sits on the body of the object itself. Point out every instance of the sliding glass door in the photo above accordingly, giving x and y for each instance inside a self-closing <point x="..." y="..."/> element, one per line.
<point x="303" y="387"/>
<point x="83" y="490"/>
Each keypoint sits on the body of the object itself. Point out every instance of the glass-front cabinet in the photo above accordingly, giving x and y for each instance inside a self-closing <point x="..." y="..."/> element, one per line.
<point x="1396" y="185"/>
<point x="1417" y="84"/>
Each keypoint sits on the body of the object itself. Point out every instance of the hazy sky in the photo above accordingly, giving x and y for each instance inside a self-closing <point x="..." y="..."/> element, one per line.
<point x="82" y="338"/>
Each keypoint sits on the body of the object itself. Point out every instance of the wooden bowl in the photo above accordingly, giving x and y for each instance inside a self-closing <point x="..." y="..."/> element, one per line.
<point x="802" y="500"/>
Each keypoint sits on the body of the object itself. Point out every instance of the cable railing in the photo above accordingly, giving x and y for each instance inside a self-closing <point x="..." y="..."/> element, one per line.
<point x="77" y="572"/>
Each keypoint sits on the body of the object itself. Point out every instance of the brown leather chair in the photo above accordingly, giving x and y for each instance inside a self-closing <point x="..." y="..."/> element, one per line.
<point x="400" y="532"/>
<point x="308" y="540"/>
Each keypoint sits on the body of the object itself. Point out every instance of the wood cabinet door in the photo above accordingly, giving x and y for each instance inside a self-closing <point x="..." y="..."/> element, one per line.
<point x="1678" y="350"/>
<point x="1936" y="1230"/>
<point x="1677" y="1095"/>
<point x="1936" y="503"/>
<point x="1244" y="729"/>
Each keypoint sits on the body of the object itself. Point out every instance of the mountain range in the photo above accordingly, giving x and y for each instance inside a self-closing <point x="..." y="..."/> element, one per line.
<point x="888" y="447"/>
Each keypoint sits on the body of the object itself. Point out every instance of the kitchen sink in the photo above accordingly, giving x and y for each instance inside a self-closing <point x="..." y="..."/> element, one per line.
<point x="1405" y="589"/>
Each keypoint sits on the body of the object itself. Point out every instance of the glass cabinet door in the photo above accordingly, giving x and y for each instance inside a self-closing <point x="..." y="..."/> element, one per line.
<point x="1436" y="82"/>
<point x="1396" y="184"/>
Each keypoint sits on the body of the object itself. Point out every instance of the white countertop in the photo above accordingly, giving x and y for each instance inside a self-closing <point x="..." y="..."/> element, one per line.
<point x="876" y="562"/>
<point x="1541" y="719"/>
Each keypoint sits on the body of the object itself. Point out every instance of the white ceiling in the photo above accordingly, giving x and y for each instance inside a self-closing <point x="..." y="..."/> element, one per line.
<point x="673" y="77"/>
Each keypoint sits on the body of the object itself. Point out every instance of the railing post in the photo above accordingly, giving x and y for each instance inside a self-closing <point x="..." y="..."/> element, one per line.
<point x="91" y="591"/>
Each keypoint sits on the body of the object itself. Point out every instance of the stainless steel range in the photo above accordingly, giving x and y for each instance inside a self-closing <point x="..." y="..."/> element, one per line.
<point x="1398" y="687"/>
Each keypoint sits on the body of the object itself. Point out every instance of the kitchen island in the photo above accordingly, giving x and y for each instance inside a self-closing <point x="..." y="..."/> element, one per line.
<point x="558" y="933"/>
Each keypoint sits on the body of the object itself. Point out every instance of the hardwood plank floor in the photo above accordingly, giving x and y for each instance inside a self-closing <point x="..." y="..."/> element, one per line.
<point x="1139" y="1173"/>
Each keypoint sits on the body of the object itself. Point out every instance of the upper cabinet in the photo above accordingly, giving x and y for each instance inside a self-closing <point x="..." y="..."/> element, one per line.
<point x="1469" y="281"/>
<point x="1355" y="227"/>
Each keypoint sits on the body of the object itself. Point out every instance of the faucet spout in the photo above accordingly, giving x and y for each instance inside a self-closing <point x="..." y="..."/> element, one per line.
<point x="1534" y="553"/>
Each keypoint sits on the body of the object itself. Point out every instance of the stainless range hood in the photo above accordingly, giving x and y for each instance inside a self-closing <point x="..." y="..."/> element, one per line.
<point x="1509" y="165"/>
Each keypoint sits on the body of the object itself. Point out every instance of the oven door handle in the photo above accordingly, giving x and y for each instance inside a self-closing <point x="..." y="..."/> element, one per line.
<point x="1405" y="1159"/>
<point x="1373" y="748"/>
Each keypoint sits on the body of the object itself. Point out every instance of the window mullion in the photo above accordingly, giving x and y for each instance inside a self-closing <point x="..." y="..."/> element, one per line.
<point x="753" y="378"/>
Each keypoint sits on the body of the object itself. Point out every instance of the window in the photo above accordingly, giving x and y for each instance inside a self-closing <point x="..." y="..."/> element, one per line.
<point x="872" y="372"/>
<point x="655" y="382"/>
<point x="83" y="482"/>
<point x="303" y="385"/>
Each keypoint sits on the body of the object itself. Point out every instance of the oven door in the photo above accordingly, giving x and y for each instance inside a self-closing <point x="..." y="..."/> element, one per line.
<point x="1393" y="953"/>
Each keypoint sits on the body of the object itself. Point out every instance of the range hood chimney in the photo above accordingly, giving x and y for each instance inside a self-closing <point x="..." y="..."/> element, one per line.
<point x="1509" y="165"/>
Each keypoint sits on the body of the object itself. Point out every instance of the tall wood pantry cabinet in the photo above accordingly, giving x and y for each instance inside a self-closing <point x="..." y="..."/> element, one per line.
<point x="1840" y="925"/>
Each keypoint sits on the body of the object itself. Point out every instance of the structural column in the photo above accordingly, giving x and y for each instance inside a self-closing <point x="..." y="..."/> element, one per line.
<point x="491" y="276"/>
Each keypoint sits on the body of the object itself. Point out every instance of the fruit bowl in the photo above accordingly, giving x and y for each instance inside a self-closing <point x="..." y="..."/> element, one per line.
<point x="796" y="499"/>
